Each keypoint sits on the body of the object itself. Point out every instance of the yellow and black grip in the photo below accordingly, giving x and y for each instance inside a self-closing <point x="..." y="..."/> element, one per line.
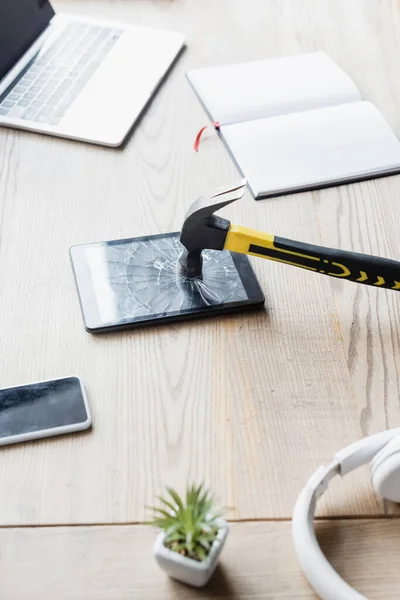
<point x="353" y="266"/>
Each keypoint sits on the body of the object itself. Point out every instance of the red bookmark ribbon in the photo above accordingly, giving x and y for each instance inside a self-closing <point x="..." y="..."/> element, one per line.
<point x="215" y="124"/>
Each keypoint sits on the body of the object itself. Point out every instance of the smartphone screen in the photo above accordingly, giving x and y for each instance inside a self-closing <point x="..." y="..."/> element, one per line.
<point x="124" y="283"/>
<point x="42" y="409"/>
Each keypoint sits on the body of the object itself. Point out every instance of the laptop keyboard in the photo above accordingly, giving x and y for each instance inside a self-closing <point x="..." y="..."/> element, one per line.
<point x="54" y="79"/>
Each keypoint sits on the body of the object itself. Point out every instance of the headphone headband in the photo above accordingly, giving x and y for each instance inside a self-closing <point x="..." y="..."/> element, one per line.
<point x="319" y="572"/>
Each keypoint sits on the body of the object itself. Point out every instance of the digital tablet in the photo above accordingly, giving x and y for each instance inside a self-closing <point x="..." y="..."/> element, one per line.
<point x="133" y="282"/>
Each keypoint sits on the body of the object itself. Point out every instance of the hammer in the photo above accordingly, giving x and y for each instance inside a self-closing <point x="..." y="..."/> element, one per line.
<point x="203" y="229"/>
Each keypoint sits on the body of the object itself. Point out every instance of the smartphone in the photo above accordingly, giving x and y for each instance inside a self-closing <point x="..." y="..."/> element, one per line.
<point x="43" y="409"/>
<point x="132" y="282"/>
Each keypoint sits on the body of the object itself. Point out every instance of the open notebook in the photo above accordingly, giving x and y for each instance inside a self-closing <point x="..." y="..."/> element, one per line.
<point x="296" y="123"/>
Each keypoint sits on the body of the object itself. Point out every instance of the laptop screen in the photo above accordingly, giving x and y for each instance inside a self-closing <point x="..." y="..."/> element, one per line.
<point x="21" y="22"/>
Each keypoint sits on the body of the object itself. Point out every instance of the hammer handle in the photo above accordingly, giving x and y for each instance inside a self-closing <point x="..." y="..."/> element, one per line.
<point x="353" y="266"/>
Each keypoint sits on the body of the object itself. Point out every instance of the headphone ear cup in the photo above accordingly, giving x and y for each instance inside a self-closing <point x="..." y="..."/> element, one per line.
<point x="385" y="471"/>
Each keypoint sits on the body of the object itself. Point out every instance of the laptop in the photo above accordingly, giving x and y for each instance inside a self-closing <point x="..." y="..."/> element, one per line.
<point x="75" y="77"/>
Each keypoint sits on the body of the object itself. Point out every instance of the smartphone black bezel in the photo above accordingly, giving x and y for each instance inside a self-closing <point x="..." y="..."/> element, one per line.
<point x="87" y="298"/>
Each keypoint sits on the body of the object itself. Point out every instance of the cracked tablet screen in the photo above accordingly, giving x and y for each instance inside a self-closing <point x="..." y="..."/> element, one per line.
<point x="139" y="278"/>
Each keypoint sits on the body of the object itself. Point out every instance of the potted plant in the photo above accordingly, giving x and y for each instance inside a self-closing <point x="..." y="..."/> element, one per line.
<point x="192" y="535"/>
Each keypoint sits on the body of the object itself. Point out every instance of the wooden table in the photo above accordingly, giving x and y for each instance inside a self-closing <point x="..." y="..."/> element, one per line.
<point x="250" y="404"/>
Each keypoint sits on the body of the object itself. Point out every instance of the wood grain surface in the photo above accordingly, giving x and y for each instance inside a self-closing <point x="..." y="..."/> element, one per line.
<point x="258" y="563"/>
<point x="250" y="404"/>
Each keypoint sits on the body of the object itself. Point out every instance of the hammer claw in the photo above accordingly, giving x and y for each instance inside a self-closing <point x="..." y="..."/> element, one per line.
<point x="226" y="189"/>
<point x="203" y="229"/>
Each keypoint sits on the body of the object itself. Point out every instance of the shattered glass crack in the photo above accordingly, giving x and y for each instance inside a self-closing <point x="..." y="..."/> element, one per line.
<point x="144" y="276"/>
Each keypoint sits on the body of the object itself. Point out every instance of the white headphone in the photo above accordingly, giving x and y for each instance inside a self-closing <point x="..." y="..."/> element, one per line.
<point x="383" y="449"/>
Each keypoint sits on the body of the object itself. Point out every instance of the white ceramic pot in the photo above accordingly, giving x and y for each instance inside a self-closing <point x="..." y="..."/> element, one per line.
<point x="185" y="569"/>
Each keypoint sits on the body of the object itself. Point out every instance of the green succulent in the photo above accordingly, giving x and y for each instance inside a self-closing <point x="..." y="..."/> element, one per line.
<point x="191" y="527"/>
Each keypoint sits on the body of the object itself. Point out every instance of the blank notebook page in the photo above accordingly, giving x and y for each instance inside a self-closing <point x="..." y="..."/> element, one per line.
<point x="264" y="88"/>
<point x="324" y="145"/>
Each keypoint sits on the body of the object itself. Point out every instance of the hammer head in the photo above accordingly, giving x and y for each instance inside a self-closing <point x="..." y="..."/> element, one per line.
<point x="202" y="229"/>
